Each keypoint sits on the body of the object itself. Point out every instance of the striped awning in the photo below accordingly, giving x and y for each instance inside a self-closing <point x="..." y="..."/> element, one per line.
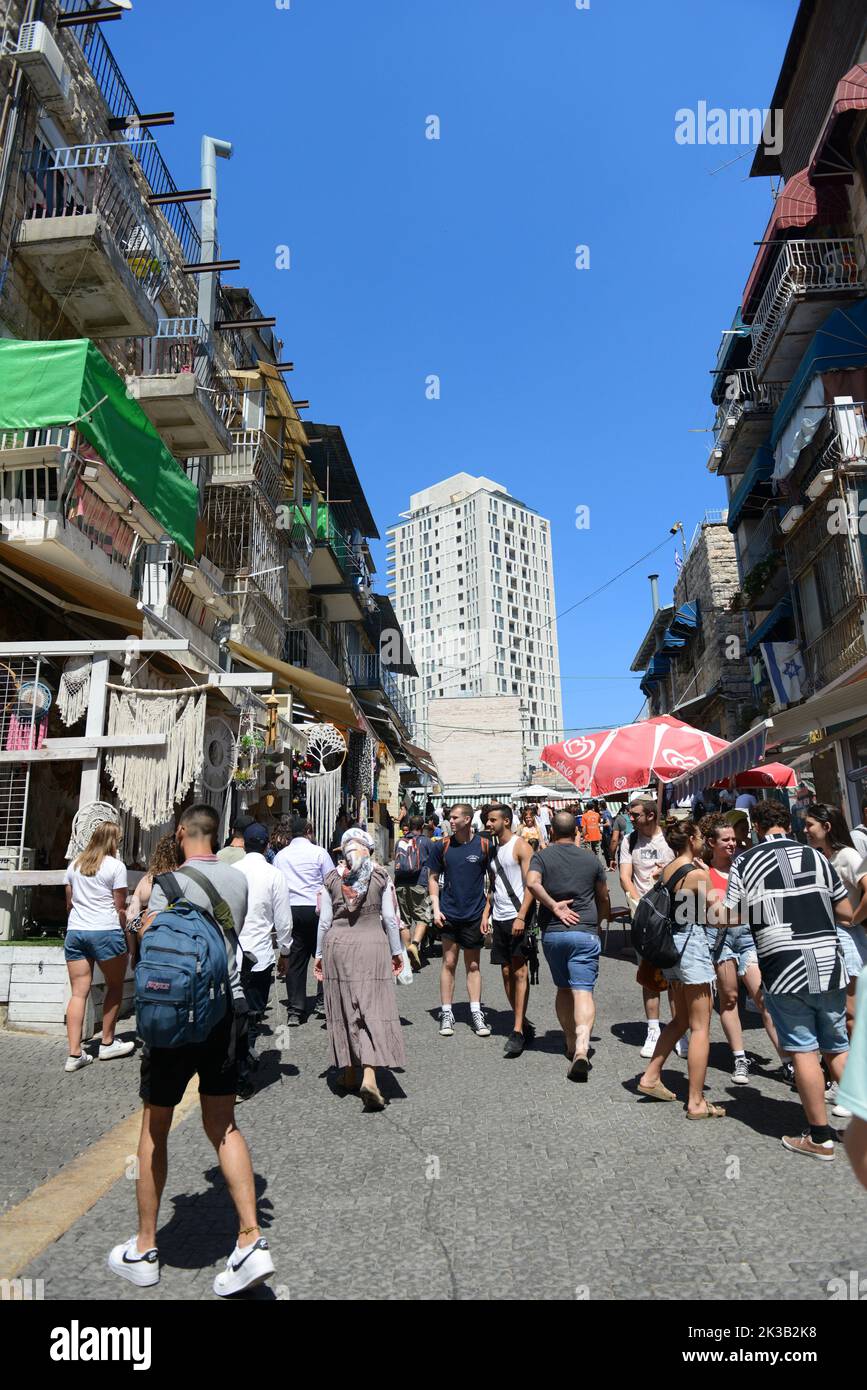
<point x="739" y="756"/>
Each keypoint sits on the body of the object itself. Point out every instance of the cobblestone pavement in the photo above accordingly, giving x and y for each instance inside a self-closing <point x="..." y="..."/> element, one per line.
<point x="483" y="1178"/>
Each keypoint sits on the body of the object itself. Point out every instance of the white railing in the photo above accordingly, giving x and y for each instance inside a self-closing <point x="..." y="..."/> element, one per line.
<point x="848" y="442"/>
<point x="255" y="458"/>
<point x="744" y="394"/>
<point x="184" y="345"/>
<point x="760" y="543"/>
<point x="57" y="490"/>
<point x="827" y="266"/>
<point x="65" y="184"/>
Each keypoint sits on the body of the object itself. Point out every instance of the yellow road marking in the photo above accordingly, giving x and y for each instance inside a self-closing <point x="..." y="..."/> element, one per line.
<point x="48" y="1212"/>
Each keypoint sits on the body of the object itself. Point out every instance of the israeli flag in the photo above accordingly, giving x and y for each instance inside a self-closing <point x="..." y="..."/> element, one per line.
<point x="786" y="670"/>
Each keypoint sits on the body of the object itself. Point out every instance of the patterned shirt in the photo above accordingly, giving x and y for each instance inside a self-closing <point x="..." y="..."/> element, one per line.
<point x="787" y="891"/>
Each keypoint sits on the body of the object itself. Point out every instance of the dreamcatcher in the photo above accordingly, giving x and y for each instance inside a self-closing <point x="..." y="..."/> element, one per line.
<point x="27" y="704"/>
<point x="85" y="821"/>
<point x="326" y="751"/>
<point x="73" y="693"/>
<point x="219" y="756"/>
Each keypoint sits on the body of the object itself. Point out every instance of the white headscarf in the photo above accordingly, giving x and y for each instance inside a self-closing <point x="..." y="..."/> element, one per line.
<point x="357" y="847"/>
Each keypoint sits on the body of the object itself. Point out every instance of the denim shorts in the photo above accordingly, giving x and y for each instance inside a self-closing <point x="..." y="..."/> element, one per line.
<point x="738" y="945"/>
<point x="573" y="958"/>
<point x="695" y="966"/>
<point x="810" y="1022"/>
<point x="851" y="952"/>
<point x="94" y="945"/>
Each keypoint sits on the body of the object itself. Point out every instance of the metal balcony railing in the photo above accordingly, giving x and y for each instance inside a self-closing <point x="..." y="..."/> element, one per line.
<point x="302" y="649"/>
<point x="848" y="442"/>
<point x="142" y="145"/>
<point x="183" y="345"/>
<point x="261" y="622"/>
<point x="840" y="646"/>
<point x="369" y="673"/>
<point x="827" y="266"/>
<point x="61" y="185"/>
<point x="327" y="531"/>
<point x="52" y="491"/>
<point x="297" y="529"/>
<point x="761" y="542"/>
<point x="744" y="395"/>
<point x="255" y="458"/>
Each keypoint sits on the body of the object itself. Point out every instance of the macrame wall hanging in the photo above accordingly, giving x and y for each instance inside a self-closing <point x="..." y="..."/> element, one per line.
<point x="326" y="751"/>
<point x="85" y="821"/>
<point x="73" y="693"/>
<point x="149" y="782"/>
<point x="362" y="751"/>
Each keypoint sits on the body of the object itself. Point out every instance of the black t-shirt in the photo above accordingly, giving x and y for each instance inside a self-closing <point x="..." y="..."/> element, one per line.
<point x="462" y="896"/>
<point x="570" y="874"/>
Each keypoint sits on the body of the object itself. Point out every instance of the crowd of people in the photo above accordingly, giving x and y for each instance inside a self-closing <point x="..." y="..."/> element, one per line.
<point x="782" y="916"/>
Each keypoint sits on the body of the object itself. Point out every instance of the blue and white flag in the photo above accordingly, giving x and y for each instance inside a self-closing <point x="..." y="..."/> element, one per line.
<point x="786" y="671"/>
<point x="678" y="562"/>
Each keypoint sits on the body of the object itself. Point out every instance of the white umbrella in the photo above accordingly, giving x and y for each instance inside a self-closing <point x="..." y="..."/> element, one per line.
<point x="549" y="792"/>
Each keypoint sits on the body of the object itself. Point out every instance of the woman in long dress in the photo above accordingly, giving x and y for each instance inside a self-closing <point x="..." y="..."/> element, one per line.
<point x="358" y="954"/>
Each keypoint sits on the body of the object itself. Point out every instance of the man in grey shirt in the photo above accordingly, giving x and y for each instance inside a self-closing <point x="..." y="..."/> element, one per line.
<point x="167" y="1071"/>
<point x="571" y="888"/>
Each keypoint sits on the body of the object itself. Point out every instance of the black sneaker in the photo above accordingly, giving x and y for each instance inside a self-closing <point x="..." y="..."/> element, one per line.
<point x="478" y="1024"/>
<point x="319" y="1012"/>
<point x="529" y="1032"/>
<point x="294" y="1020"/>
<point x="515" y="1044"/>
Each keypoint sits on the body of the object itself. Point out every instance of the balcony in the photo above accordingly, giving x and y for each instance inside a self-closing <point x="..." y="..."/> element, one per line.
<point x="258" y="622"/>
<point x="296" y="527"/>
<point x="847" y="446"/>
<point x="337" y="568"/>
<point x="90" y="240"/>
<point x="840" y="647"/>
<point x="59" y="499"/>
<point x="807" y="278"/>
<point x="254" y="460"/>
<point x="743" y="421"/>
<point x="243" y="539"/>
<point x="369" y="674"/>
<point x="761" y="542"/>
<point x="302" y="649"/>
<point x="181" y="390"/>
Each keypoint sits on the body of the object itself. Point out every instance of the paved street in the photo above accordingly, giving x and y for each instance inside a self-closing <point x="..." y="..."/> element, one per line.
<point x="483" y="1177"/>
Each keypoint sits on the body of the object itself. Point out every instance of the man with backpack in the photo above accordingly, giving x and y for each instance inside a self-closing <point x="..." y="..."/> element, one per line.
<point x="510" y="904"/>
<point x="203" y="903"/>
<point x="411" y="858"/>
<point x="463" y="862"/>
<point x="643" y="856"/>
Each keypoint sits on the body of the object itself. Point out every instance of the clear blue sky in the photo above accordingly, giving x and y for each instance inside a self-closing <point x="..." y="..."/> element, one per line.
<point x="457" y="257"/>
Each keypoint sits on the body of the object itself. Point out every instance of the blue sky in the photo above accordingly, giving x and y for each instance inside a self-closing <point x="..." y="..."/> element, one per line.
<point x="456" y="257"/>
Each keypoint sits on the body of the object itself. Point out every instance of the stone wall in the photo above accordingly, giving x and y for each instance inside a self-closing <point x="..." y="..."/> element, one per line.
<point x="479" y="736"/>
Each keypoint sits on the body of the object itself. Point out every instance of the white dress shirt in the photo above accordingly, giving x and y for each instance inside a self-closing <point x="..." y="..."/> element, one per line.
<point x="268" y="910"/>
<point x="304" y="867"/>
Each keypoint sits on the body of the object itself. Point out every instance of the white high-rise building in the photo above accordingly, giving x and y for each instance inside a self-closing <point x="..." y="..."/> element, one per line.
<point x="471" y="578"/>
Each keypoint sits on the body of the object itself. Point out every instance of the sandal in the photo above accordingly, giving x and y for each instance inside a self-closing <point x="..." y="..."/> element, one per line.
<point x="372" y="1097"/>
<point x="658" y="1092"/>
<point x="711" y="1112"/>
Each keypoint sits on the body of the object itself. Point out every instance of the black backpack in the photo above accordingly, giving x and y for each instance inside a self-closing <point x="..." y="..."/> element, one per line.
<point x="653" y="926"/>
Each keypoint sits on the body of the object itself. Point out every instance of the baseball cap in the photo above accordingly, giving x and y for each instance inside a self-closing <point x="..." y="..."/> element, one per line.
<point x="256" y="836"/>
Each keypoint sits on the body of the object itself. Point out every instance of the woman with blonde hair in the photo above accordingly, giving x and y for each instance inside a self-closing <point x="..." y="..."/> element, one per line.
<point x="96" y="889"/>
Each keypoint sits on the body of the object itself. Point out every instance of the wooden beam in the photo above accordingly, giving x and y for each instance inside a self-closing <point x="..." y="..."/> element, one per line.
<point x="119" y="644"/>
<point x="108" y="741"/>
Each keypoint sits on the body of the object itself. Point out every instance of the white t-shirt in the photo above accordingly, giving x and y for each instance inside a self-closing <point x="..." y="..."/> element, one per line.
<point x="304" y="866"/>
<point x="649" y="853"/>
<point x="851" y="867"/>
<point x="93" y="906"/>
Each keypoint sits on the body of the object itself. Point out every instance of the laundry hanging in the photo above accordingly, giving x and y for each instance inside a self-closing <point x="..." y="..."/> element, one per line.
<point x="149" y="782"/>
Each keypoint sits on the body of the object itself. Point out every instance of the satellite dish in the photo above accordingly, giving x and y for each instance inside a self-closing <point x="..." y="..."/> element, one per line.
<point x="219" y="754"/>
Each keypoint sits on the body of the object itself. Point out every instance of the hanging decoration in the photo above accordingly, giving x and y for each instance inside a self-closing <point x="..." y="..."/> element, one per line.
<point x="85" y="821"/>
<point x="362" y="751"/>
<point x="150" y="783"/>
<point x="73" y="694"/>
<point x="251" y="745"/>
<point x="299" y="784"/>
<point x="326" y="752"/>
<point x="219" y="754"/>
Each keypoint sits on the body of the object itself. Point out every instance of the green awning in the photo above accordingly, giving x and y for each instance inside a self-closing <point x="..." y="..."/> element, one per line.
<point x="45" y="385"/>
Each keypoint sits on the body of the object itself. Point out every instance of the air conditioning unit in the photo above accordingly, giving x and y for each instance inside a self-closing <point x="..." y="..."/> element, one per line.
<point x="46" y="69"/>
<point x="792" y="516"/>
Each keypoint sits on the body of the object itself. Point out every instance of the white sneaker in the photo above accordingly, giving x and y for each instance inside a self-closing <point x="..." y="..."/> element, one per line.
<point x="76" y="1063"/>
<point x="128" y="1261"/>
<point x="245" y="1269"/>
<point x="447" y="1023"/>
<point x="650" y="1043"/>
<point x="681" y="1047"/>
<point x="115" y="1049"/>
<point x="841" y="1112"/>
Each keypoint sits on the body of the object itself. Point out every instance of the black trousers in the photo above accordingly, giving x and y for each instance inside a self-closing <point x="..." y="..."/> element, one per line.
<point x="305" y="924"/>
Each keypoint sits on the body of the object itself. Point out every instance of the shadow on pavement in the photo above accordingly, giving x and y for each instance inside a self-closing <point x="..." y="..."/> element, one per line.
<point x="203" y="1227"/>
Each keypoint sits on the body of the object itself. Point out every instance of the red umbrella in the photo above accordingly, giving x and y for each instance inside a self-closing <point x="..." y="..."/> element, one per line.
<point x="768" y="775"/>
<point x="616" y="759"/>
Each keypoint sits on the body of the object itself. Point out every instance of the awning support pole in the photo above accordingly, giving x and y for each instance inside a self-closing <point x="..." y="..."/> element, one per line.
<point x="94" y="728"/>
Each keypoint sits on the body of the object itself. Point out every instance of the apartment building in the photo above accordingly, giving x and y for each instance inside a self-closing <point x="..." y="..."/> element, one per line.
<point x="471" y="578"/>
<point x="157" y="482"/>
<point x="789" y="386"/>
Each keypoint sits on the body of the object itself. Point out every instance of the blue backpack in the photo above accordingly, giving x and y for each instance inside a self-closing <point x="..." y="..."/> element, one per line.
<point x="182" y="976"/>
